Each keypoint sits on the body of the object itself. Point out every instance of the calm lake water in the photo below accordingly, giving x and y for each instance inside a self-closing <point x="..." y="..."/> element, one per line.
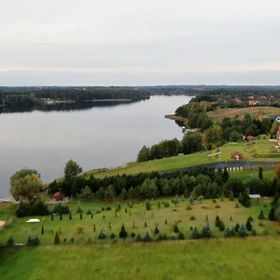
<point x="97" y="137"/>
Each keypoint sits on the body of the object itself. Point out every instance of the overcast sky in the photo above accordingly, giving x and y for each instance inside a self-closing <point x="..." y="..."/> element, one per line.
<point x="147" y="42"/>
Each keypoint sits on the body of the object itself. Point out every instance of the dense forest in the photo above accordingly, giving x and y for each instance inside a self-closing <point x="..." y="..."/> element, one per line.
<point x="18" y="99"/>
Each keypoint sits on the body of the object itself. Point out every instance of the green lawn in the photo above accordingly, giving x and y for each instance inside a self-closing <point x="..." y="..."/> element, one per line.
<point x="262" y="150"/>
<point x="257" y="258"/>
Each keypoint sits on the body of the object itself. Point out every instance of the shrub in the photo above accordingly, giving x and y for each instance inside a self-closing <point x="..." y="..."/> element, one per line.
<point x="42" y="230"/>
<point x="25" y="209"/>
<point x="195" y="234"/>
<point x="242" y="231"/>
<point x="148" y="205"/>
<point x="217" y="206"/>
<point x="70" y="216"/>
<point x="228" y="232"/>
<point x="165" y="204"/>
<point x="181" y="236"/>
<point x="145" y="224"/>
<point x="156" y="231"/>
<point x="192" y="218"/>
<point x="188" y="207"/>
<point x="219" y="224"/>
<point x="123" y="233"/>
<point x="33" y="241"/>
<point x="112" y="236"/>
<point x="175" y="228"/>
<point x="206" y="232"/>
<point x="132" y="235"/>
<point x="61" y="209"/>
<point x="80" y="229"/>
<point x="56" y="239"/>
<point x="81" y="216"/>
<point x="147" y="237"/>
<point x="79" y="210"/>
<point x="261" y="215"/>
<point x="138" y="237"/>
<point x="249" y="226"/>
<point x="236" y="228"/>
<point x="10" y="242"/>
<point x="101" y="235"/>
<point x="88" y="212"/>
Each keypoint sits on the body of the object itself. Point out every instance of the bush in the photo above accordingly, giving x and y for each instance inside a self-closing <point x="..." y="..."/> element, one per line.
<point x="147" y="237"/>
<point x="206" y="232"/>
<point x="192" y="218"/>
<point x="195" y="234"/>
<point x="33" y="241"/>
<point x="181" y="236"/>
<point x="80" y="229"/>
<point x="38" y="208"/>
<point x="165" y="204"/>
<point x="188" y="207"/>
<point x="88" y="212"/>
<point x="60" y="209"/>
<point x="242" y="231"/>
<point x="261" y="215"/>
<point x="79" y="210"/>
<point x="148" y="205"/>
<point x="249" y="226"/>
<point x="138" y="237"/>
<point x="112" y="236"/>
<point x="175" y="228"/>
<point x="101" y="235"/>
<point x="156" y="231"/>
<point x="228" y="232"/>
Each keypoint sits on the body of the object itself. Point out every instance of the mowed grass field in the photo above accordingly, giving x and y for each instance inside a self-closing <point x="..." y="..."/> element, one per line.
<point x="256" y="258"/>
<point x="257" y="112"/>
<point x="262" y="150"/>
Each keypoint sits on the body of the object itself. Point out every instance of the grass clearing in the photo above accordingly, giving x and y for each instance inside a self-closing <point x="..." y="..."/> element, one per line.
<point x="250" y="152"/>
<point x="257" y="112"/>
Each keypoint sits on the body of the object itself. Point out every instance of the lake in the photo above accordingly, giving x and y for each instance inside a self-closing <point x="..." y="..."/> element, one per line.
<point x="95" y="138"/>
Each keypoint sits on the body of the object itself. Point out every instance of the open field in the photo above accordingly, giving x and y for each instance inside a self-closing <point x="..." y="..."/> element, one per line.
<point x="134" y="216"/>
<point x="257" y="112"/>
<point x="257" y="258"/>
<point x="258" y="151"/>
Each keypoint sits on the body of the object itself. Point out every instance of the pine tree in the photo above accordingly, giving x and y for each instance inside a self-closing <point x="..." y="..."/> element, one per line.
<point x="195" y="234"/>
<point x="81" y="216"/>
<point x="145" y="224"/>
<point x="56" y="239"/>
<point x="249" y="226"/>
<point x="42" y="230"/>
<point x="261" y="215"/>
<point x="175" y="228"/>
<point x="156" y="231"/>
<point x="123" y="232"/>
<point x="70" y="216"/>
<point x="242" y="231"/>
<point x="260" y="173"/>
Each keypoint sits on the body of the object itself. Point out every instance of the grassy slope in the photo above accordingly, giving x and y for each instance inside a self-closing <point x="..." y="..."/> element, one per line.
<point x="134" y="220"/>
<point x="262" y="147"/>
<point x="232" y="112"/>
<point x="257" y="258"/>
